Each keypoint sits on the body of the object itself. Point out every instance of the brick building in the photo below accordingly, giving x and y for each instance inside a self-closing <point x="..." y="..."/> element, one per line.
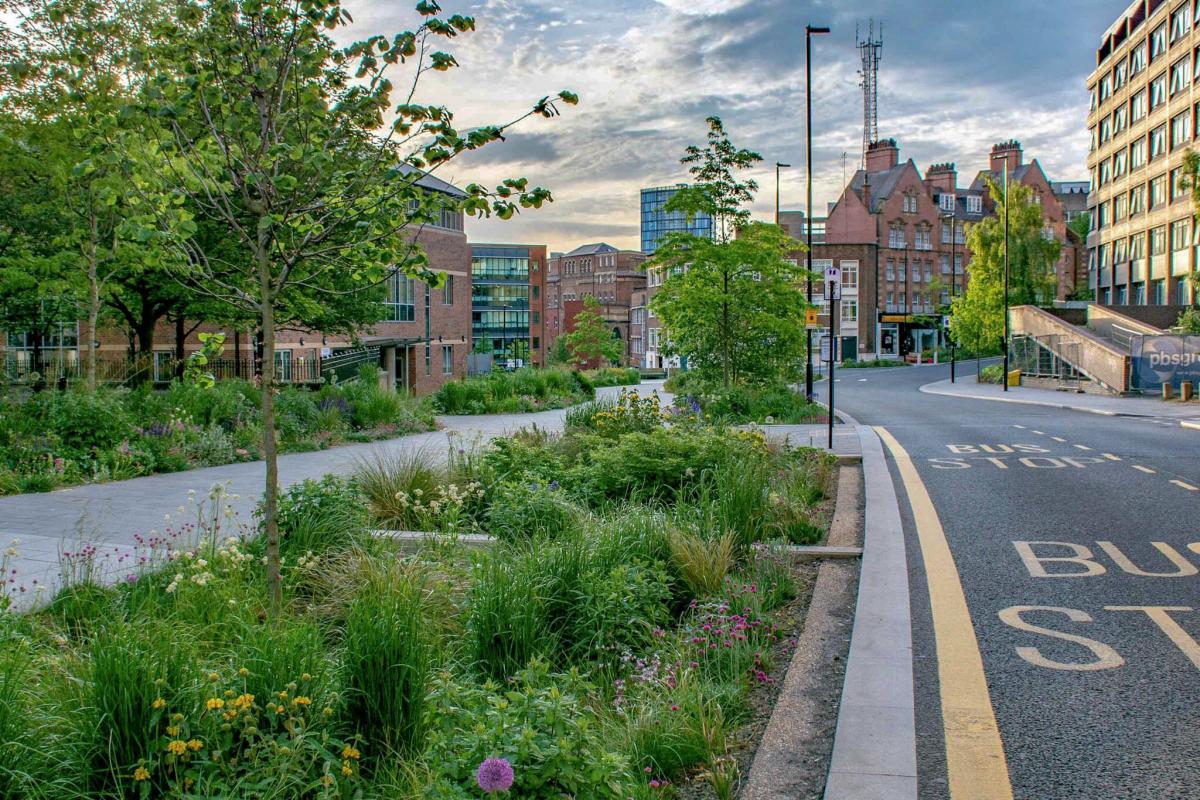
<point x="422" y="341"/>
<point x="915" y="227"/>
<point x="1143" y="117"/>
<point x="507" y="297"/>
<point x="597" y="270"/>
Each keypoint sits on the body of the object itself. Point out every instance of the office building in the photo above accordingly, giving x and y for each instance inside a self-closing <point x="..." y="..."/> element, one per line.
<point x="1142" y="117"/>
<point x="506" y="301"/>
<point x="657" y="222"/>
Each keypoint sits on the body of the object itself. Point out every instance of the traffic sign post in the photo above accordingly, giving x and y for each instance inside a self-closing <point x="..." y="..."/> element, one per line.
<point x="833" y="293"/>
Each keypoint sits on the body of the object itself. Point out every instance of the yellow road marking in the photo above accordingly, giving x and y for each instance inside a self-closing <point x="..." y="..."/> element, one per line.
<point x="975" y="762"/>
<point x="1184" y="485"/>
<point x="1111" y="457"/>
<point x="1146" y="470"/>
<point x="1082" y="447"/>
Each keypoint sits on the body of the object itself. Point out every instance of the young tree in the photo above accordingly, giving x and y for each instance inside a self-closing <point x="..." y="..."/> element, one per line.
<point x="731" y="304"/>
<point x="591" y="340"/>
<point x="281" y="137"/>
<point x="977" y="315"/>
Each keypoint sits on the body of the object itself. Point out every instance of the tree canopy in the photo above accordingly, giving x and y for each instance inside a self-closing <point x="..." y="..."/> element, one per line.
<point x="590" y="339"/>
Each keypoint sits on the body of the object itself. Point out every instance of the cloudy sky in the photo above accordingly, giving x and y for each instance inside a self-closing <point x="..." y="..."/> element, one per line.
<point x="956" y="76"/>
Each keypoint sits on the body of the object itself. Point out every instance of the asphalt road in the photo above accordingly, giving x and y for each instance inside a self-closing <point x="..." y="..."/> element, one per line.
<point x="1093" y="690"/>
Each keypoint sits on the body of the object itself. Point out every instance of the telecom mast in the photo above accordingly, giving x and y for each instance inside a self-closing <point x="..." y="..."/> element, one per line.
<point x="871" y="49"/>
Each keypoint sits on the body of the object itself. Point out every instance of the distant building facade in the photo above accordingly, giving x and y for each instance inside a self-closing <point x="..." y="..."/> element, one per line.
<point x="1143" y="116"/>
<point x="657" y="222"/>
<point x="507" y="288"/>
<point x="596" y="270"/>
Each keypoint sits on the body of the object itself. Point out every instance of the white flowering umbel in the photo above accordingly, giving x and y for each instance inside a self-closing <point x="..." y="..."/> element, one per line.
<point x="442" y="511"/>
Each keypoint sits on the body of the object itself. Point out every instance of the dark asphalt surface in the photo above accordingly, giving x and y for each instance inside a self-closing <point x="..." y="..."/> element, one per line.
<point x="1130" y="730"/>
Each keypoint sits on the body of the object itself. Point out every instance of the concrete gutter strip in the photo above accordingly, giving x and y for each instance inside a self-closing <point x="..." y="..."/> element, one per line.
<point x="1194" y="424"/>
<point x="790" y="758"/>
<point x="874" y="751"/>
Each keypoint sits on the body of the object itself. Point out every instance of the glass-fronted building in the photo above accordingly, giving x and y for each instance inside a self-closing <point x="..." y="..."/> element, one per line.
<point x="656" y="222"/>
<point x="500" y="301"/>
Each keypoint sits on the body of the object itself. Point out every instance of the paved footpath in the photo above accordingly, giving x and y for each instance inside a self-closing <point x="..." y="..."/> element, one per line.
<point x="108" y="516"/>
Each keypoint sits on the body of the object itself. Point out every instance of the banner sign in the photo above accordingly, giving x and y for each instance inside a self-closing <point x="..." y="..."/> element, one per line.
<point x="1164" y="359"/>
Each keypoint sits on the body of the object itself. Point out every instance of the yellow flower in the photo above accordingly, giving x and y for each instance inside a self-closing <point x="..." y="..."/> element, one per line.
<point x="281" y="695"/>
<point x="194" y="744"/>
<point x="214" y="677"/>
<point x="141" y="774"/>
<point x="172" y="730"/>
<point x="350" y="752"/>
<point x="327" y="781"/>
<point x="279" y="709"/>
<point x="243" y="672"/>
<point x="327" y="711"/>
<point x="301" y="700"/>
<point x="306" y="677"/>
<point x="214" y="703"/>
<point x="177" y="747"/>
<point x="243" y="701"/>
<point x="347" y="770"/>
<point x="158" y="703"/>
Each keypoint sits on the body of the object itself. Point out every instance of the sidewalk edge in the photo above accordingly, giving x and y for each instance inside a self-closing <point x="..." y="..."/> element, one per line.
<point x="936" y="388"/>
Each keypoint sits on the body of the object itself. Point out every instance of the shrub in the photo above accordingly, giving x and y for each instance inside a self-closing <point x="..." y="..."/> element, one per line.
<point x="993" y="373"/>
<point x="541" y="724"/>
<point x="211" y="447"/>
<point x="703" y="564"/>
<point x="387" y="662"/>
<point x="295" y="414"/>
<point x="614" y="376"/>
<point x="386" y="475"/>
<point x="531" y="510"/>
<point x="525" y="389"/>
<point x="82" y="420"/>
<point x="627" y="413"/>
<point x="317" y="516"/>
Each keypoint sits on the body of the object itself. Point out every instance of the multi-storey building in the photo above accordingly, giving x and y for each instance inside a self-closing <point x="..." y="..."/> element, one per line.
<point x="597" y="270"/>
<point x="421" y="342"/>
<point x="1073" y="196"/>
<point x="507" y="282"/>
<point x="915" y="227"/>
<point x="793" y="225"/>
<point x="1143" y="115"/>
<point x="658" y="222"/>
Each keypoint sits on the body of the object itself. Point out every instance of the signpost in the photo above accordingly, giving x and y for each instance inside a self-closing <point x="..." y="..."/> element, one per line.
<point x="833" y="294"/>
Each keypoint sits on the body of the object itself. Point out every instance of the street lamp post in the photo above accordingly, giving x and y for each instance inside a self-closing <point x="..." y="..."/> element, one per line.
<point x="953" y="270"/>
<point x="778" y="165"/>
<point x="809" y="30"/>
<point x="1004" y="344"/>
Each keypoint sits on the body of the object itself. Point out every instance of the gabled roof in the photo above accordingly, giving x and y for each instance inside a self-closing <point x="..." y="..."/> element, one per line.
<point x="1017" y="175"/>
<point x="883" y="183"/>
<point x="431" y="182"/>
<point x="593" y="249"/>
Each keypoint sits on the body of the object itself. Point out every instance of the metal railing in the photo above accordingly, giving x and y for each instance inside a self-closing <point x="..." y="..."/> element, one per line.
<point x="54" y="366"/>
<point x="1049" y="356"/>
<point x="343" y="366"/>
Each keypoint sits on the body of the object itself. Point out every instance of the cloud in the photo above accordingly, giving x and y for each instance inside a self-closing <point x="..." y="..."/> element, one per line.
<point x="954" y="79"/>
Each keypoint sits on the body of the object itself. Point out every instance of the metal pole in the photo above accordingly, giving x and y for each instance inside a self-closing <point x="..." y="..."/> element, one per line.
<point x="833" y="352"/>
<point x="809" y="30"/>
<point x="1004" y="379"/>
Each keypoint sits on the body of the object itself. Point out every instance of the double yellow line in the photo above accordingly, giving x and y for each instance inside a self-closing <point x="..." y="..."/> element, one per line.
<point x="975" y="763"/>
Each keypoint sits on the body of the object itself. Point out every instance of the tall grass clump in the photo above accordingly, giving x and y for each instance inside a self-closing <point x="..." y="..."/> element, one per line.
<point x="387" y="662"/>
<point x="506" y="617"/>
<point x="132" y="668"/>
<point x="281" y="651"/>
<point x="526" y="389"/>
<point x="385" y="477"/>
<point x="703" y="563"/>
<point x="532" y="511"/>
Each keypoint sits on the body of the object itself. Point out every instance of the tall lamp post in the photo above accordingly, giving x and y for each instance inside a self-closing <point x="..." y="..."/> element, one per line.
<point x="809" y="30"/>
<point x="1004" y="344"/>
<point x="778" y="165"/>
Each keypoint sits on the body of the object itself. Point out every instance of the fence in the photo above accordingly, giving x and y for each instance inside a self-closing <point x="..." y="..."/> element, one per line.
<point x="19" y="367"/>
<point x="344" y="366"/>
<point x="1049" y="356"/>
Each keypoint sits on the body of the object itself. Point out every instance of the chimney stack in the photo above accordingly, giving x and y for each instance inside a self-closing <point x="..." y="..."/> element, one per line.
<point x="1009" y="151"/>
<point x="882" y="155"/>
<point x="943" y="178"/>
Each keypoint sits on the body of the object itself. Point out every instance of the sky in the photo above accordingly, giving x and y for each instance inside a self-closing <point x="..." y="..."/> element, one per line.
<point x="956" y="76"/>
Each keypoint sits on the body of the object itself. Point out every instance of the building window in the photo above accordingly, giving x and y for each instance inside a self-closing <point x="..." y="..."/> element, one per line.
<point x="1119" y="160"/>
<point x="1177" y="189"/>
<point x="910" y="203"/>
<point x="1137" y="106"/>
<point x="1181" y="74"/>
<point x="1181" y="22"/>
<point x="1103" y="220"/>
<point x="400" y="303"/>
<point x="1105" y="129"/>
<point x="1137" y="153"/>
<point x="1158" y="42"/>
<point x="924" y="240"/>
<point x="1137" y="200"/>
<point x="1120" y="119"/>
<point x="1120" y="206"/>
<point x="1181" y="129"/>
<point x="849" y="311"/>
<point x="1158" y="91"/>
<point x="1158" y="142"/>
<point x="891" y="270"/>
<point x="1158" y="241"/>
<point x="1180" y="235"/>
<point x="974" y="204"/>
<point x="447" y="359"/>
<point x="1105" y="172"/>
<point x="849" y="275"/>
<point x="1137" y="248"/>
<point x="448" y="291"/>
<point x="1158" y="191"/>
<point x="896" y="238"/>
<point x="945" y="258"/>
<point x="1137" y="59"/>
<point x="1105" y="88"/>
<point x="1119" y="73"/>
<point x="1120" y="251"/>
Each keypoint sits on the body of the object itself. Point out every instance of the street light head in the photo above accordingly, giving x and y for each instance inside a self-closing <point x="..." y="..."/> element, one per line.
<point x="811" y="29"/>
<point x="781" y="164"/>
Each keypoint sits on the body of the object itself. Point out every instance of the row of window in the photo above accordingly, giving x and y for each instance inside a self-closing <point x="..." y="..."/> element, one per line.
<point x="400" y="305"/>
<point x="1158" y="294"/>
<point x="1154" y="193"/>
<point x="1111" y="126"/>
<point x="1134" y="248"/>
<point x="500" y="268"/>
<point x="1145" y="53"/>
<point x="923" y="239"/>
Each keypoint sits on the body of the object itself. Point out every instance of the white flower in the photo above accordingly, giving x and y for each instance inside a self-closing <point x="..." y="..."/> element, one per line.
<point x="179" y="510"/>
<point x="11" y="552"/>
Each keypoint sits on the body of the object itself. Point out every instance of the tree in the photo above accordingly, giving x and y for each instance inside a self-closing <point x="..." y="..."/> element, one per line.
<point x="590" y="340"/>
<point x="977" y="315"/>
<point x="279" y="137"/>
<point x="731" y="304"/>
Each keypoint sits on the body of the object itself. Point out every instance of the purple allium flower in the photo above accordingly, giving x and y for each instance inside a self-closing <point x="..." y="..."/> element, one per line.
<point x="494" y="775"/>
<point x="554" y="486"/>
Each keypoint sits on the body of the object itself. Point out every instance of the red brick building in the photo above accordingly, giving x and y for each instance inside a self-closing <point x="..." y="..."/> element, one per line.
<point x="916" y="226"/>
<point x="597" y="270"/>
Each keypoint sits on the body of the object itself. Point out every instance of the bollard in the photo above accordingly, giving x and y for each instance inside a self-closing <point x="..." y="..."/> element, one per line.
<point x="1168" y="392"/>
<point x="1185" y="391"/>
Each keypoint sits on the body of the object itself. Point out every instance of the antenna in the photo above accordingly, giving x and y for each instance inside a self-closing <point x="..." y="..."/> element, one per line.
<point x="872" y="50"/>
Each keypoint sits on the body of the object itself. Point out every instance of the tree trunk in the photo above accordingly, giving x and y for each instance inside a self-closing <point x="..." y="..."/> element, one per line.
<point x="725" y="332"/>
<point x="270" y="495"/>
<point x="180" y="338"/>
<point x="93" y="278"/>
